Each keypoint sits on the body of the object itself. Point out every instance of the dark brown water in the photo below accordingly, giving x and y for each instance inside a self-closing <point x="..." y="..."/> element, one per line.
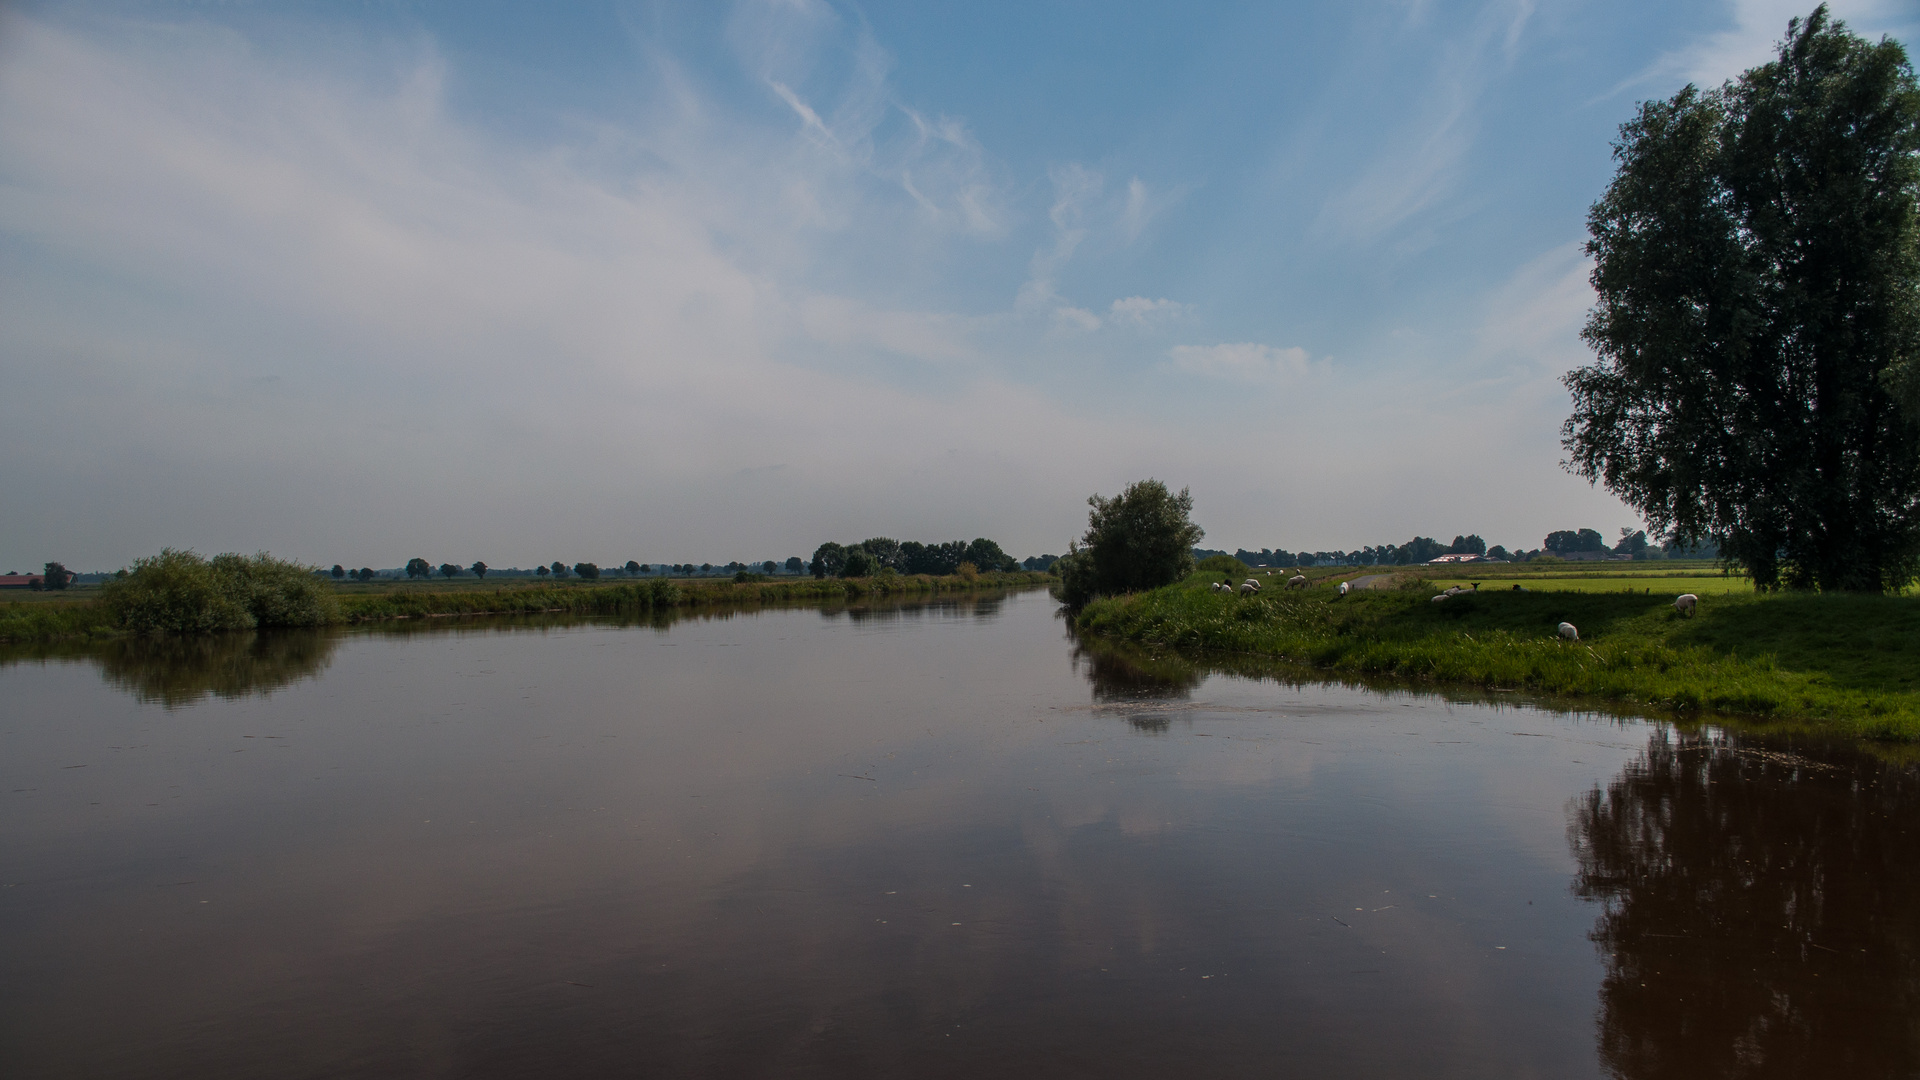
<point x="932" y="841"/>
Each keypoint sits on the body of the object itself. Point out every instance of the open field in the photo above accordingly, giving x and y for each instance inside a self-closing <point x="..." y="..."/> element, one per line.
<point x="1838" y="662"/>
<point x="1670" y="585"/>
<point x="1668" y="578"/>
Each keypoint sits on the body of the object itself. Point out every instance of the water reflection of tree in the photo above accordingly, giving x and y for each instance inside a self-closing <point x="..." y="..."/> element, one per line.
<point x="1121" y="673"/>
<point x="177" y="671"/>
<point x="1762" y="910"/>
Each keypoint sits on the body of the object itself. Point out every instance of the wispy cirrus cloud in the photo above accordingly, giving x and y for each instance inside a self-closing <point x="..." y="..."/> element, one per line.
<point x="1421" y="160"/>
<point x="1755" y="31"/>
<point x="852" y="117"/>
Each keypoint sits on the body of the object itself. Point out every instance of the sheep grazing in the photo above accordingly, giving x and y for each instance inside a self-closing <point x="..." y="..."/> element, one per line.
<point x="1345" y="587"/>
<point x="1249" y="587"/>
<point x="1569" y="631"/>
<point x="1685" y="603"/>
<point x="1220" y="586"/>
<point x="1442" y="598"/>
<point x="1297" y="581"/>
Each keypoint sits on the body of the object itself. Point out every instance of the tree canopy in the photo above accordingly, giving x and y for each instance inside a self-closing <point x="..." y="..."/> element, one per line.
<point x="1757" y="260"/>
<point x="1140" y="539"/>
<point x="1567" y="541"/>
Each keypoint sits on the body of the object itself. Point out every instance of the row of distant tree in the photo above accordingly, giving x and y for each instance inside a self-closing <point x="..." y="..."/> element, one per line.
<point x="1562" y="543"/>
<point x="879" y="553"/>
<point x="422" y="569"/>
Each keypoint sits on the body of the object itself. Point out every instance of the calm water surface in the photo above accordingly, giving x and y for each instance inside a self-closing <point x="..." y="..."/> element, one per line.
<point x="928" y="841"/>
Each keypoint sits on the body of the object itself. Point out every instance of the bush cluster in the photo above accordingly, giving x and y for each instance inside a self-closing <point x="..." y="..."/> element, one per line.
<point x="179" y="592"/>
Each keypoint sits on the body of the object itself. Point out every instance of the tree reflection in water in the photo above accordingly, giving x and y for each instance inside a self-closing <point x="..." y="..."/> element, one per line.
<point x="1120" y="674"/>
<point x="1761" y="911"/>
<point x="180" y="671"/>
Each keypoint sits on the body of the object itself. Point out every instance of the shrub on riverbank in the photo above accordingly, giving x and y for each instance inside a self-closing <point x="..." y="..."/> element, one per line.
<point x="1849" y="662"/>
<point x="178" y="592"/>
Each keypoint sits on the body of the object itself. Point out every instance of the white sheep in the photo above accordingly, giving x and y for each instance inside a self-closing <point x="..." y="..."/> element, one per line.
<point x="1249" y="587"/>
<point x="1297" y="581"/>
<point x="1221" y="586"/>
<point x="1345" y="587"/>
<point x="1441" y="599"/>
<point x="1685" y="603"/>
<point x="1569" y="631"/>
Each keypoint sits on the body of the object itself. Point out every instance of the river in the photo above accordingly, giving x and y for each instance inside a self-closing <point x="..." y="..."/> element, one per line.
<point x="933" y="839"/>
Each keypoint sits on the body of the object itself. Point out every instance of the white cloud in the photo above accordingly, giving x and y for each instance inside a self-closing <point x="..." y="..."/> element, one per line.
<point x="1074" y="187"/>
<point x="1753" y="38"/>
<point x="310" y="308"/>
<point x="1138" y="311"/>
<point x="315" y="314"/>
<point x="1246" y="362"/>
<point x="1075" y="319"/>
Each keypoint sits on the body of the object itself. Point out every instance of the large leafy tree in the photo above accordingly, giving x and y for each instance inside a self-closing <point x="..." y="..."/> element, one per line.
<point x="828" y="560"/>
<point x="1757" y="259"/>
<point x="1139" y="539"/>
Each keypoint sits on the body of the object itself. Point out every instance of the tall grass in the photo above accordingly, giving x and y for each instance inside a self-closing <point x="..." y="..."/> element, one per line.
<point x="1851" y="663"/>
<point x="39" y="620"/>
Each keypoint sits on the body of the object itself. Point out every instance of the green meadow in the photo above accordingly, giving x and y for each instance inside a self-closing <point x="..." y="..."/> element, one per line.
<point x="1839" y="662"/>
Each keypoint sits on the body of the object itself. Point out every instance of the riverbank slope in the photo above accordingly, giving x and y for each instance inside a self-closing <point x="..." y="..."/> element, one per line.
<point x="86" y="617"/>
<point x="1844" y="663"/>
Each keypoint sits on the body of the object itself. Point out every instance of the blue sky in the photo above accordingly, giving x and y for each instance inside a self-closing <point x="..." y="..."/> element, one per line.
<point x="361" y="282"/>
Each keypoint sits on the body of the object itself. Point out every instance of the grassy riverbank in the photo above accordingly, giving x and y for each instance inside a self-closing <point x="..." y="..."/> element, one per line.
<point x="85" y="617"/>
<point x="1838" y="662"/>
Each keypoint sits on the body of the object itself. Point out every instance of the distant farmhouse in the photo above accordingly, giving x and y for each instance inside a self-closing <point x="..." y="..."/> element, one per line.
<point x="11" y="580"/>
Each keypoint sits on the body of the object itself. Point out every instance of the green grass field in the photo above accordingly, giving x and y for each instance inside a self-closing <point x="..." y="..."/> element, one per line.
<point x="78" y="614"/>
<point x="1838" y="662"/>
<point x="1667" y="585"/>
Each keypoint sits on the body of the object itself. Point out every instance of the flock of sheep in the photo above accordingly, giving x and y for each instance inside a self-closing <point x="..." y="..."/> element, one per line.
<point x="1685" y="603"/>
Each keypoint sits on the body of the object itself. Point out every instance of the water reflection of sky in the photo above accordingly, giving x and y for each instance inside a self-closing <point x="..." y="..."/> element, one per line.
<point x="927" y="840"/>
